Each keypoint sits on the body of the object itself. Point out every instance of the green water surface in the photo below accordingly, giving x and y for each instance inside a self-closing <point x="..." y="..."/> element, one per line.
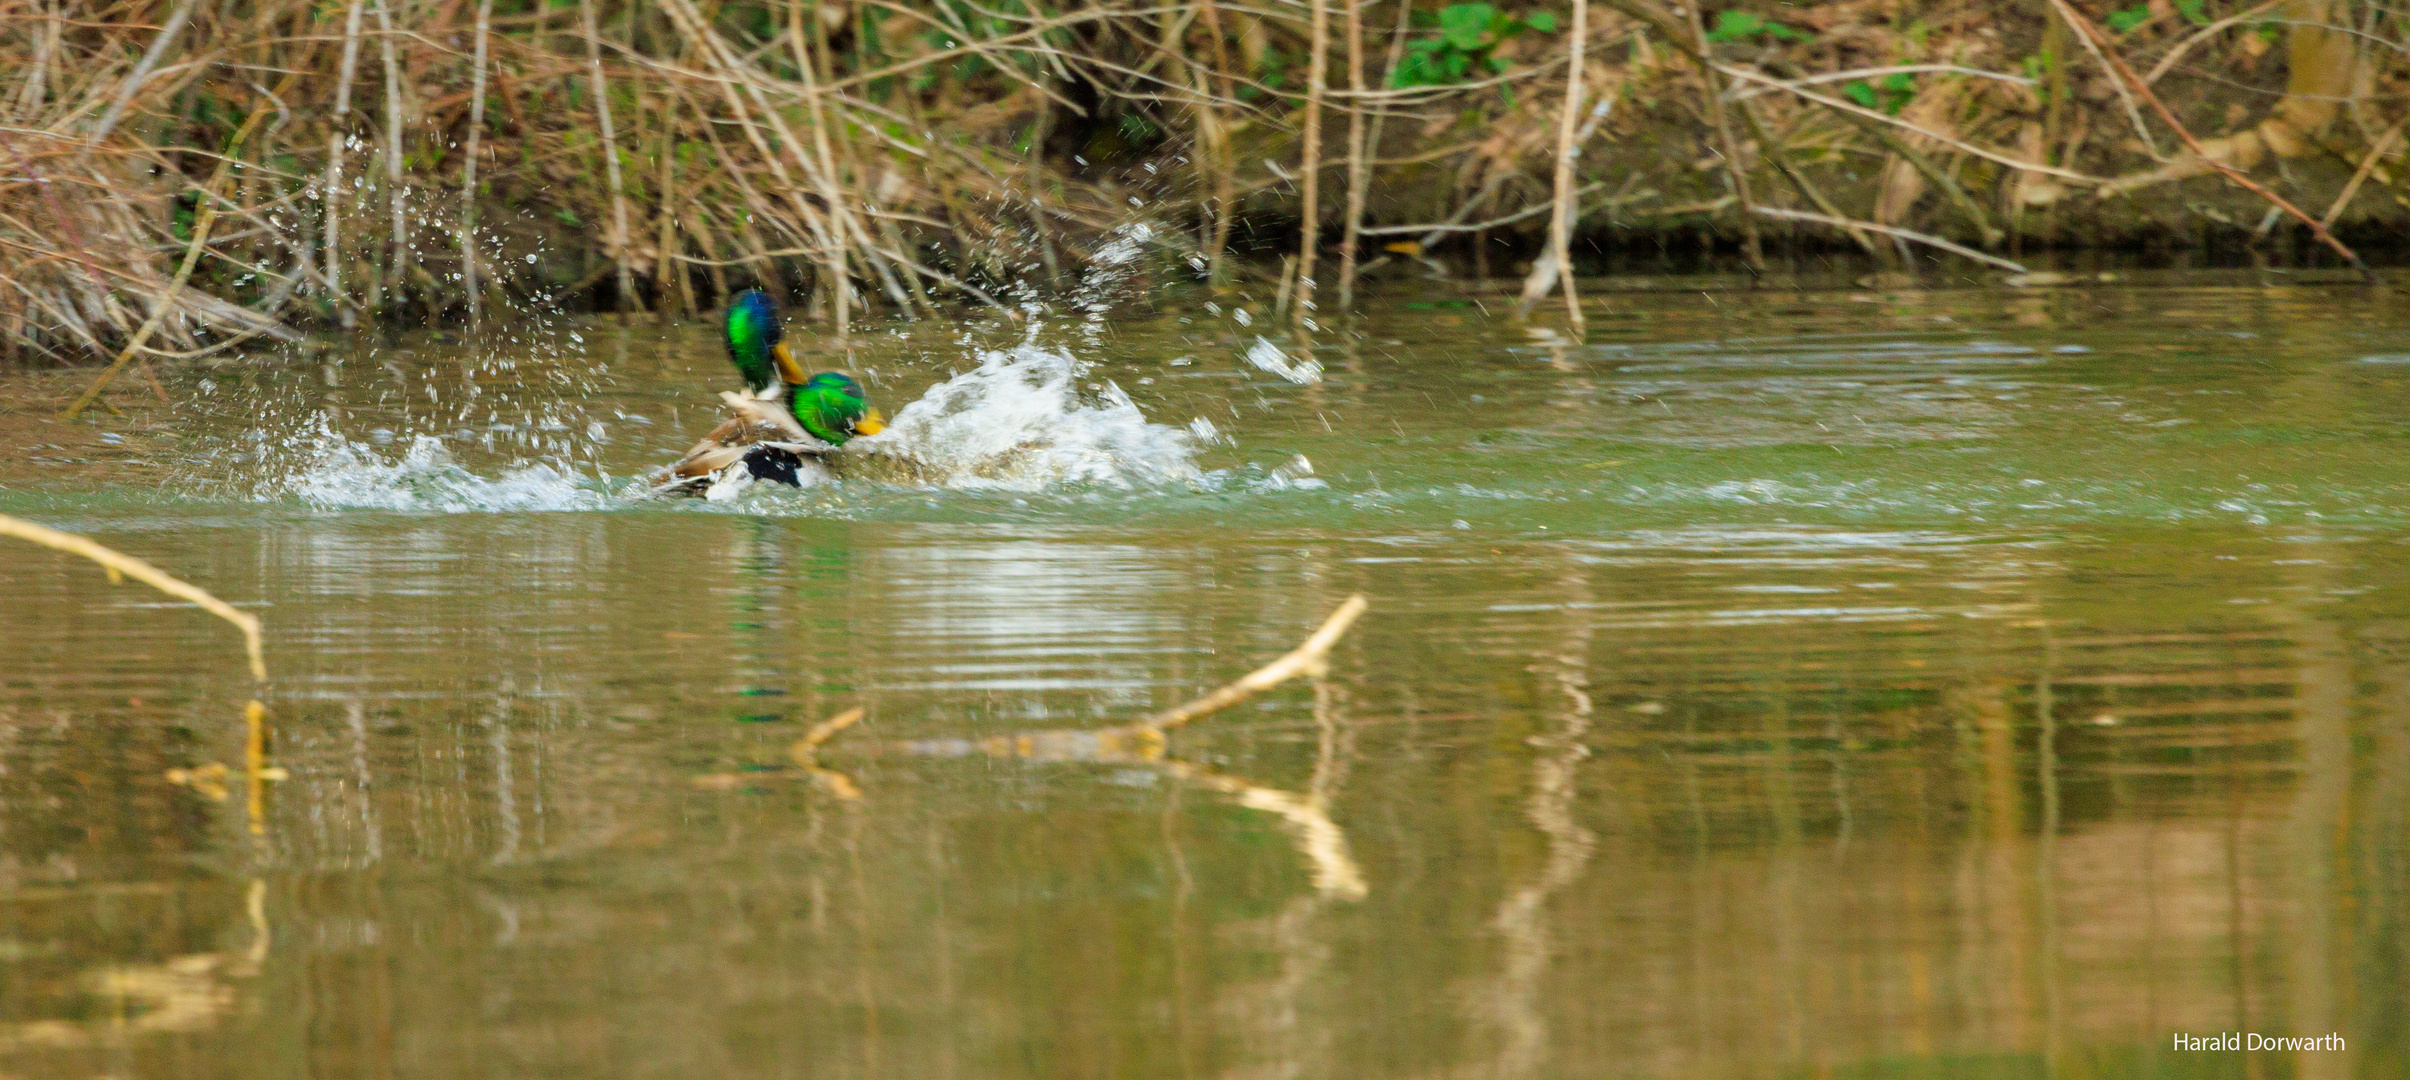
<point x="1791" y="682"/>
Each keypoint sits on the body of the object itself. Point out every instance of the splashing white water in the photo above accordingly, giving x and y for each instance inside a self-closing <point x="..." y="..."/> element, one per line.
<point x="1268" y="356"/>
<point x="336" y="473"/>
<point x="1020" y="420"/>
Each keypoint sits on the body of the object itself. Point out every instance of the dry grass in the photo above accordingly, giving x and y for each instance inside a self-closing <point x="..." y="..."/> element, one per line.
<point x="216" y="173"/>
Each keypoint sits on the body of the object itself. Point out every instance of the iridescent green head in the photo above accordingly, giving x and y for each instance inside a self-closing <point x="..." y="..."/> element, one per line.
<point x="831" y="407"/>
<point x="754" y="345"/>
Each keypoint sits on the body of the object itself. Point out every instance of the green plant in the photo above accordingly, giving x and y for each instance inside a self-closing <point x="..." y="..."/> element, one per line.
<point x="1733" y="26"/>
<point x="1891" y="94"/>
<point x="1469" y="35"/>
<point x="2122" y="21"/>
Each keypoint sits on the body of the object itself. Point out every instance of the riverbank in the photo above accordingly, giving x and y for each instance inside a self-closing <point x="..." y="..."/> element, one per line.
<point x="419" y="163"/>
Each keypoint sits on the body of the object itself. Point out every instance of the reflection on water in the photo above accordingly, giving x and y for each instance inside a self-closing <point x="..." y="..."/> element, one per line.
<point x="1784" y="766"/>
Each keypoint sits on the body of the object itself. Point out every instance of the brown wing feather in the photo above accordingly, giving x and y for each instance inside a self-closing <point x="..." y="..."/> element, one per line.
<point x="725" y="445"/>
<point x="755" y="422"/>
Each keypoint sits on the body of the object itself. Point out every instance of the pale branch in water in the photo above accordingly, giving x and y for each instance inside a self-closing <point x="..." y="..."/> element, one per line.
<point x="116" y="563"/>
<point x="1306" y="659"/>
<point x="1558" y="262"/>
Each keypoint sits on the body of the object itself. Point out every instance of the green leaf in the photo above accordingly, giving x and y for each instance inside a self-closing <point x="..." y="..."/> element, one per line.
<point x="1545" y="22"/>
<point x="1899" y="88"/>
<point x="1735" y="26"/>
<point x="2122" y="21"/>
<point x="1784" y="33"/>
<point x="1415" y="68"/>
<point x="1462" y="25"/>
<point x="1859" y="92"/>
<point x="2194" y="11"/>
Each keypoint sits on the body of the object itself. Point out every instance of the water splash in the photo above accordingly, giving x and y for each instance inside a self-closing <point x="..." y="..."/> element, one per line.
<point x="335" y="473"/>
<point x="1022" y="420"/>
<point x="1265" y="355"/>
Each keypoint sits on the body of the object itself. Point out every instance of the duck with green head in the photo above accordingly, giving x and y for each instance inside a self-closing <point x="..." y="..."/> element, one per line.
<point x="820" y="414"/>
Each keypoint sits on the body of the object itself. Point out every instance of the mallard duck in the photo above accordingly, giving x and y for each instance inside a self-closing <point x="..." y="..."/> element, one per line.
<point x="765" y="439"/>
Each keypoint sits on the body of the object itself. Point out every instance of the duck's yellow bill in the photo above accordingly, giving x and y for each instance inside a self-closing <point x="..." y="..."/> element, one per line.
<point x="871" y="423"/>
<point x="788" y="370"/>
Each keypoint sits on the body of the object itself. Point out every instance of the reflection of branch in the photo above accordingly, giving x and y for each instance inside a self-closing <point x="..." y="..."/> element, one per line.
<point x="1319" y="838"/>
<point x="1520" y="915"/>
<point x="1306" y="659"/>
<point x="806" y="753"/>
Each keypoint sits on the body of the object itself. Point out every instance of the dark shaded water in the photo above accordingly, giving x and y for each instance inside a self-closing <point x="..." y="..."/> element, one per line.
<point x="1783" y="684"/>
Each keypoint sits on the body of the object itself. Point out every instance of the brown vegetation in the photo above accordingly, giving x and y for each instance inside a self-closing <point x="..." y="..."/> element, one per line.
<point x="176" y="178"/>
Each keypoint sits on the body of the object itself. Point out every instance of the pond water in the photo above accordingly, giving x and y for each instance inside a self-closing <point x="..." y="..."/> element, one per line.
<point x="1818" y="681"/>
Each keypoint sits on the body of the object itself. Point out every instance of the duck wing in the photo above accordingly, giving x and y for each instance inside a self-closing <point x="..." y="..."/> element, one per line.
<point x="725" y="445"/>
<point x="756" y="421"/>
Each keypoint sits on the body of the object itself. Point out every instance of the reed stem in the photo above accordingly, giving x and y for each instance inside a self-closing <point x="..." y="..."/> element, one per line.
<point x="1309" y="241"/>
<point x="468" y="166"/>
<point x="1359" y="171"/>
<point x="610" y="150"/>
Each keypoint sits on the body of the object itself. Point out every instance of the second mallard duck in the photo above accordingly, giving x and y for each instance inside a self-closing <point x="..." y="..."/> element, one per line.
<point x="785" y="424"/>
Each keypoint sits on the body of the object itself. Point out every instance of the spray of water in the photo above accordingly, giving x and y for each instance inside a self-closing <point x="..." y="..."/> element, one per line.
<point x="1030" y="417"/>
<point x="425" y="478"/>
<point x="1022" y="420"/>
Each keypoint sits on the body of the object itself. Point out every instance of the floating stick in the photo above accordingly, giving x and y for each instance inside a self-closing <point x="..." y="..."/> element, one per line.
<point x="1305" y="659"/>
<point x="117" y="563"/>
